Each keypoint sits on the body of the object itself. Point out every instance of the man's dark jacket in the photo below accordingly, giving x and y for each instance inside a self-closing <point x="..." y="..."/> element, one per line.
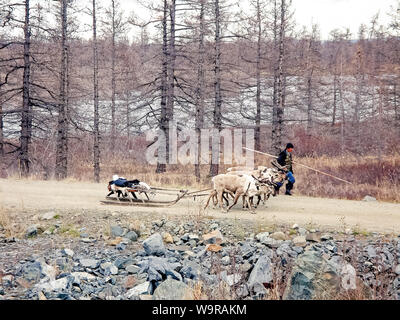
<point x="285" y="159"/>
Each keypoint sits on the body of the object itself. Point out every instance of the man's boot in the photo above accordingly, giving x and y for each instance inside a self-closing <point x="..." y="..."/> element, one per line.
<point x="289" y="186"/>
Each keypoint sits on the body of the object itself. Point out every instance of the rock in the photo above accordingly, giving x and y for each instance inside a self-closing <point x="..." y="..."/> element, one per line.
<point x="214" y="226"/>
<point x="122" y="262"/>
<point x="138" y="290"/>
<point x="132" y="268"/>
<point x="348" y="275"/>
<point x="167" y="238"/>
<point x="55" y="285"/>
<point x="231" y="279"/>
<point x="214" y="237"/>
<point x="313" y="237"/>
<point x="67" y="252"/>
<point x="131" y="235"/>
<point x="194" y="237"/>
<point x="312" y="277"/>
<point x="88" y="240"/>
<point x="89" y="263"/>
<point x="299" y="241"/>
<point x="326" y="237"/>
<point x="116" y="231"/>
<point x="109" y="268"/>
<point x="115" y="242"/>
<point x="261" y="273"/>
<point x="246" y="266"/>
<point x="278" y="236"/>
<point x="48" y="271"/>
<point x="302" y="232"/>
<point x="171" y="289"/>
<point x="154" y="245"/>
<point x="295" y="226"/>
<point x="31" y="271"/>
<point x="121" y="246"/>
<point x="226" y="260"/>
<point x="261" y="236"/>
<point x="397" y="269"/>
<point x="158" y="223"/>
<point x="247" y="250"/>
<point x="79" y="276"/>
<point x="272" y="243"/>
<point x="48" y="216"/>
<point x="7" y="280"/>
<point x="185" y="237"/>
<point x="31" y="231"/>
<point x="368" y="198"/>
<point x="213" y="247"/>
<point x="191" y="270"/>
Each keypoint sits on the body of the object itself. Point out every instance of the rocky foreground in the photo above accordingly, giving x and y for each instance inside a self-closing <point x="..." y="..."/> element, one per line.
<point x="207" y="259"/>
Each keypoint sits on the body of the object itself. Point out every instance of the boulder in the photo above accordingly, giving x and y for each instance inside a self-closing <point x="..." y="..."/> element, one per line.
<point x="131" y="235"/>
<point x="48" y="216"/>
<point x="313" y="237"/>
<point x="31" y="231"/>
<point x="116" y="231"/>
<point x="214" y="237"/>
<point x="168" y="238"/>
<point x="368" y="198"/>
<point x="171" y="289"/>
<point x="213" y="247"/>
<point x="312" y="277"/>
<point x="89" y="263"/>
<point x="138" y="290"/>
<point x="154" y="245"/>
<point x="260" y="275"/>
<point x="299" y="241"/>
<point x="279" y="235"/>
<point x="54" y="285"/>
<point x="262" y="235"/>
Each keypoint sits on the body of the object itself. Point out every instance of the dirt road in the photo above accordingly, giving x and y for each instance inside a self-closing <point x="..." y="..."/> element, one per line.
<point x="324" y="214"/>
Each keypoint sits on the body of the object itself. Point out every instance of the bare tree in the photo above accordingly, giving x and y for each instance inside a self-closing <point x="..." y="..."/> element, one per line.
<point x="217" y="121"/>
<point x="200" y="85"/>
<point x="61" y="170"/>
<point x="96" y="129"/>
<point x="26" y="117"/>
<point x="281" y="24"/>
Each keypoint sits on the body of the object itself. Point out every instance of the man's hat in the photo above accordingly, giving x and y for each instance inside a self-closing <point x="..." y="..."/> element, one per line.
<point x="289" y="145"/>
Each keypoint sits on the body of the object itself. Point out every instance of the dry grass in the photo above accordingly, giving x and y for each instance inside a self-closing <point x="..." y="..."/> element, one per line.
<point x="370" y="175"/>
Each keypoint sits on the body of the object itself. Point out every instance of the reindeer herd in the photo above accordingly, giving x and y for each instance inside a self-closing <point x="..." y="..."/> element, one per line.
<point x="245" y="182"/>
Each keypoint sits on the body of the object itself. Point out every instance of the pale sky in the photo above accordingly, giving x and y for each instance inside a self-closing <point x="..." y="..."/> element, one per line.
<point x="331" y="14"/>
<point x="328" y="14"/>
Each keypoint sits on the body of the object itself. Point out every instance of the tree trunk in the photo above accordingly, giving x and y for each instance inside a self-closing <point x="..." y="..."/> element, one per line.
<point x="309" y="103"/>
<point x="2" y="162"/>
<point x="396" y="110"/>
<point x="277" y="143"/>
<point x="275" y="84"/>
<point x="258" y="79"/>
<point x="96" y="143"/>
<point x="214" y="167"/>
<point x="26" y="122"/>
<point x="171" y="80"/>
<point x="164" y="123"/>
<point x="200" y="90"/>
<point x="334" y="99"/>
<point x="113" y="86"/>
<point x="62" y="125"/>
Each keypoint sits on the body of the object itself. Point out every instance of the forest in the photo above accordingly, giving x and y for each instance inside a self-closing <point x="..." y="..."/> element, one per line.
<point x="76" y="107"/>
